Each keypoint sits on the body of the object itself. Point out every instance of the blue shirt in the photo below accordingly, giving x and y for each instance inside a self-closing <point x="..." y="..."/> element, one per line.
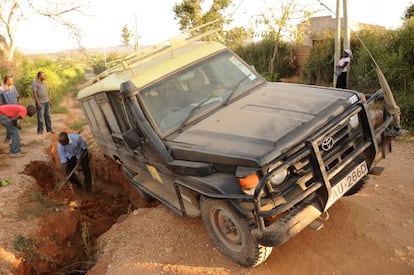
<point x="9" y="95"/>
<point x="72" y="149"/>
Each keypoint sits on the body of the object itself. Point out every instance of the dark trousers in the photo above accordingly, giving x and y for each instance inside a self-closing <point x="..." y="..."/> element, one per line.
<point x="43" y="115"/>
<point x="85" y="169"/>
<point x="341" y="80"/>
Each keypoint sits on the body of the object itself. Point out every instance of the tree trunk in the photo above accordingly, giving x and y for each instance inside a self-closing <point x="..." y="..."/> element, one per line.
<point x="275" y="53"/>
<point x="273" y="60"/>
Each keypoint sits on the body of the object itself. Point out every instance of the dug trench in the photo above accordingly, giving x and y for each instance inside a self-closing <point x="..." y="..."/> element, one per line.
<point x="72" y="219"/>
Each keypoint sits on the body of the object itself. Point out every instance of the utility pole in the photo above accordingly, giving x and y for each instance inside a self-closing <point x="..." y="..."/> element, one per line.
<point x="105" y="63"/>
<point x="347" y="34"/>
<point x="337" y="54"/>
<point x="136" y="46"/>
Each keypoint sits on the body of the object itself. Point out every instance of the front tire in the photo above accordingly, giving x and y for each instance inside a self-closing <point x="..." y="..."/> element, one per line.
<point x="231" y="233"/>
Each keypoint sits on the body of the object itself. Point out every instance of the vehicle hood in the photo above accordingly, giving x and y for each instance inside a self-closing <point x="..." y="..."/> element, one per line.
<point x="260" y="126"/>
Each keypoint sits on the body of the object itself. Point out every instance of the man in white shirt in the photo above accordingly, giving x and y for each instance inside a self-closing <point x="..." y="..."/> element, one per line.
<point x="342" y="69"/>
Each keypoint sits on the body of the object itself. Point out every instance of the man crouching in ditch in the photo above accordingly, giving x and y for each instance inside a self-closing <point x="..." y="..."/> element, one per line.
<point x="73" y="149"/>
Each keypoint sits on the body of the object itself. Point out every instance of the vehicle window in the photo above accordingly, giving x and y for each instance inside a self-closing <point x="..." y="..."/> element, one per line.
<point x="89" y="115"/>
<point x="110" y="118"/>
<point x="177" y="98"/>
<point x="118" y="110"/>
<point x="100" y="119"/>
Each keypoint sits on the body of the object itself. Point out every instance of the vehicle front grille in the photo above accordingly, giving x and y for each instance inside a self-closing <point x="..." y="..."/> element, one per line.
<point x="345" y="140"/>
<point x="333" y="148"/>
<point x="323" y="159"/>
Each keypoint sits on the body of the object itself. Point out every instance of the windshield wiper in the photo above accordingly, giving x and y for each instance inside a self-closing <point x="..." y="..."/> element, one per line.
<point x="191" y="113"/>
<point x="234" y="89"/>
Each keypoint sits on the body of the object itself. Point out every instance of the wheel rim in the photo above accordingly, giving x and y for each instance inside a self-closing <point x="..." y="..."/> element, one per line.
<point x="227" y="228"/>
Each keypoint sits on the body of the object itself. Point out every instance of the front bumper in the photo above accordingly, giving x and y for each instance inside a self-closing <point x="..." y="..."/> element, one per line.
<point x="285" y="228"/>
<point x="315" y="189"/>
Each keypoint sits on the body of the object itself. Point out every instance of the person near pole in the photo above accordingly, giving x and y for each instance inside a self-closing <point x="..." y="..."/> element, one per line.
<point x="72" y="149"/>
<point x="9" y="116"/>
<point x="342" y="69"/>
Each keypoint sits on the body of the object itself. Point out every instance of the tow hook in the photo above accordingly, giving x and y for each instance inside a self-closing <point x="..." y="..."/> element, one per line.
<point x="318" y="223"/>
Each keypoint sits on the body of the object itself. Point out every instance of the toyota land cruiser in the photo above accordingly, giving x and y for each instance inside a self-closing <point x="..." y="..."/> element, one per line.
<point x="195" y="127"/>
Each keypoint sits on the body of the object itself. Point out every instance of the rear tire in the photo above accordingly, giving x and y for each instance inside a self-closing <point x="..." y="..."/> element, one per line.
<point x="231" y="233"/>
<point x="358" y="186"/>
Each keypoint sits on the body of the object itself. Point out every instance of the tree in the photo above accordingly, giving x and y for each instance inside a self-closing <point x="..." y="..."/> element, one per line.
<point x="280" y="24"/>
<point x="126" y="35"/>
<point x="13" y="12"/>
<point x="190" y="14"/>
<point x="238" y="37"/>
<point x="409" y="12"/>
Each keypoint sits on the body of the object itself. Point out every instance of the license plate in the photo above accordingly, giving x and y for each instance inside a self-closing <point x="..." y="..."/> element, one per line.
<point x="346" y="183"/>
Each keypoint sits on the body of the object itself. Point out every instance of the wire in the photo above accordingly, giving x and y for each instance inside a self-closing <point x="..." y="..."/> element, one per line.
<point x="357" y="36"/>
<point x="237" y="7"/>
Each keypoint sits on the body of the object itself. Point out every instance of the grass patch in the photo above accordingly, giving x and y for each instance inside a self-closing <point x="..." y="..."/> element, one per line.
<point x="78" y="125"/>
<point x="27" y="247"/>
<point x="88" y="247"/>
<point x="36" y="205"/>
<point x="34" y="143"/>
<point x="28" y="121"/>
<point x="60" y="109"/>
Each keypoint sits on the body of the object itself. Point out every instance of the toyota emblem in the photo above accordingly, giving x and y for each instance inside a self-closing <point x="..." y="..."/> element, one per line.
<point x="327" y="144"/>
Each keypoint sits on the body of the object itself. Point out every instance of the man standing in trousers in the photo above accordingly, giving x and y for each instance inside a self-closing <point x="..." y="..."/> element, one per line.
<point x="42" y="103"/>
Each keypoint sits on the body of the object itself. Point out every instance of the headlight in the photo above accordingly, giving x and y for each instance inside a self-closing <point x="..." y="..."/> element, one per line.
<point x="354" y="121"/>
<point x="279" y="177"/>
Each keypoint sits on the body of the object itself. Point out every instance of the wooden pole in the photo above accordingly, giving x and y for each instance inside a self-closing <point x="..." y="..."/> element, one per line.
<point x="347" y="34"/>
<point x="337" y="54"/>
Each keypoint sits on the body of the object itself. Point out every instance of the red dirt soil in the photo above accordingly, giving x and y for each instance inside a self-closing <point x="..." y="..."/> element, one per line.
<point x="369" y="233"/>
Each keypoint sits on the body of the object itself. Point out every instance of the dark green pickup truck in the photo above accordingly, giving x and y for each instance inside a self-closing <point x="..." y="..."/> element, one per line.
<point x="195" y="127"/>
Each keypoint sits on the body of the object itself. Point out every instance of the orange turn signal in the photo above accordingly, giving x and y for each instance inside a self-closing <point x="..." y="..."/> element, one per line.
<point x="249" y="182"/>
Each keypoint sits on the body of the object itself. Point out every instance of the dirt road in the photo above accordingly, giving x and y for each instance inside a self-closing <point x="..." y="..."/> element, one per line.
<point x="369" y="233"/>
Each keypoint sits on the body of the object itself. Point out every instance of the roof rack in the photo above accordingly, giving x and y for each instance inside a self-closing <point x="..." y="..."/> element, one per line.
<point x="175" y="42"/>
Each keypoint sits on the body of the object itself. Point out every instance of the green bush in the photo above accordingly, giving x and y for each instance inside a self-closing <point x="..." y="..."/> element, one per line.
<point x="402" y="44"/>
<point x="319" y="66"/>
<point x="61" y="76"/>
<point x="406" y="103"/>
<point x="259" y="55"/>
<point x="100" y="63"/>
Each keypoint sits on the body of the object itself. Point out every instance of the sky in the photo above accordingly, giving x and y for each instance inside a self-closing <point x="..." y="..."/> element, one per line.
<point x="154" y="21"/>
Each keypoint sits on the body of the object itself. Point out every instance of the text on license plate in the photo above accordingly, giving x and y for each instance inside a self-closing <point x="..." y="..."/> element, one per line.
<point x="346" y="183"/>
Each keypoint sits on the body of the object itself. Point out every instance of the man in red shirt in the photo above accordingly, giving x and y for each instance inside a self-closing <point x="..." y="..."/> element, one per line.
<point x="9" y="115"/>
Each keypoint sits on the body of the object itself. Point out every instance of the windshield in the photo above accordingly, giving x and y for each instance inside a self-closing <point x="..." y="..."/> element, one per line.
<point x="173" y="101"/>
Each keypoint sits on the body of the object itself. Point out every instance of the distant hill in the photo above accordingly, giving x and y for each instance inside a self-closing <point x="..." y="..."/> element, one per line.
<point x="116" y="49"/>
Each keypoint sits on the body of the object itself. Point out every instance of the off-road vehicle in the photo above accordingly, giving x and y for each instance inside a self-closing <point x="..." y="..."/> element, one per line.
<point x="195" y="127"/>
